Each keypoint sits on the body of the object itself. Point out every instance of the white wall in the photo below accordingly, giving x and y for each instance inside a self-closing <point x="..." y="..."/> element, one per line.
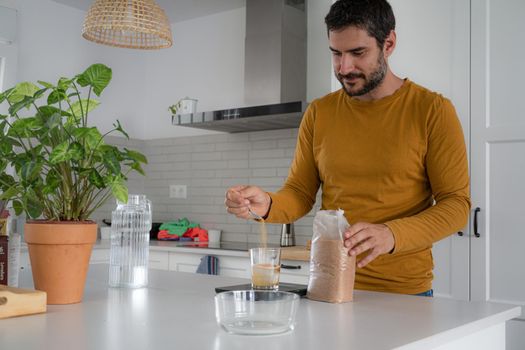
<point x="206" y="62"/>
<point x="319" y="65"/>
<point x="50" y="46"/>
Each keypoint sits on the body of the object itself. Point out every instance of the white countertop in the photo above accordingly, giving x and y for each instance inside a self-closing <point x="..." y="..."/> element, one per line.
<point x="177" y="311"/>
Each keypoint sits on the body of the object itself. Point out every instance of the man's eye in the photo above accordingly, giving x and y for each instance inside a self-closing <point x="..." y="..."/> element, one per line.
<point x="336" y="53"/>
<point x="358" y="53"/>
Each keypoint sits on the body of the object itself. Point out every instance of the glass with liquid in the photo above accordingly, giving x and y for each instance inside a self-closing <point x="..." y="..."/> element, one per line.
<point x="265" y="267"/>
<point x="130" y="226"/>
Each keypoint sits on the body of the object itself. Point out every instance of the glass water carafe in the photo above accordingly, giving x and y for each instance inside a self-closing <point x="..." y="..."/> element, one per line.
<point x="130" y="226"/>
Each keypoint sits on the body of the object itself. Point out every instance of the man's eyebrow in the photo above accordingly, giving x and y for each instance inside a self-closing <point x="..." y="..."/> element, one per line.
<point x="356" y="49"/>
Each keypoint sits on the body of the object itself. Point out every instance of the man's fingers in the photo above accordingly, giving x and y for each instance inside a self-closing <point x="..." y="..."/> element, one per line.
<point x="357" y="238"/>
<point x="360" y="248"/>
<point x="234" y="198"/>
<point x="370" y="257"/>
<point x="241" y="213"/>
<point x="356" y="228"/>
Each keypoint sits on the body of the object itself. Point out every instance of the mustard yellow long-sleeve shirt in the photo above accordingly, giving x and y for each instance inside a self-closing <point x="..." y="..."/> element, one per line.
<point x="383" y="161"/>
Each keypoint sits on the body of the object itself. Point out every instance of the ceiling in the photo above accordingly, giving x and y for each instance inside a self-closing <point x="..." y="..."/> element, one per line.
<point x="177" y="10"/>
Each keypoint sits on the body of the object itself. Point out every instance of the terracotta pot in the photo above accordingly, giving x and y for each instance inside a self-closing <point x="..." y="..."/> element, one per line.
<point x="60" y="253"/>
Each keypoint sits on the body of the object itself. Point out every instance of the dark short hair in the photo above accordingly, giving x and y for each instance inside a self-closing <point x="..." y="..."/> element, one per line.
<point x="374" y="16"/>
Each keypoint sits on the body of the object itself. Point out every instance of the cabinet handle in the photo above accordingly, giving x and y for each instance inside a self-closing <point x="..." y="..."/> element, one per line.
<point x="460" y="233"/>
<point x="291" y="267"/>
<point x="476" y="211"/>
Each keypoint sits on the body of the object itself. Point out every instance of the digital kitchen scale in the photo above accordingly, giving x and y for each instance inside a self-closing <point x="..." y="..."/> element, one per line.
<point x="299" y="289"/>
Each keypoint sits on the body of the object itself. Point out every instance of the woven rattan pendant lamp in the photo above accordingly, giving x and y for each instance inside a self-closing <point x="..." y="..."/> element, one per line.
<point x="136" y="24"/>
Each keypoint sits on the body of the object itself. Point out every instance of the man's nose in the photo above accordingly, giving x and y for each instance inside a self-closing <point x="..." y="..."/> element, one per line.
<point x="346" y="65"/>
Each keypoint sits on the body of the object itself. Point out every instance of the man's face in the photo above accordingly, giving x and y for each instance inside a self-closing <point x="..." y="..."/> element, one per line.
<point x="359" y="64"/>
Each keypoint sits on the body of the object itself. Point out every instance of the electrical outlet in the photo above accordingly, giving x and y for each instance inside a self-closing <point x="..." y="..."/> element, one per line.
<point x="178" y="191"/>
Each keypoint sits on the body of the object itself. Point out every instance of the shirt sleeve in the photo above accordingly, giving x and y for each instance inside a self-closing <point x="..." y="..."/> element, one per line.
<point x="297" y="196"/>
<point x="447" y="170"/>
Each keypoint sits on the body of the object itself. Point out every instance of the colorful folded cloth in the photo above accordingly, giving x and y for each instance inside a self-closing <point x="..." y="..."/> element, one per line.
<point x="164" y="235"/>
<point x="197" y="232"/>
<point x="209" y="265"/>
<point x="178" y="227"/>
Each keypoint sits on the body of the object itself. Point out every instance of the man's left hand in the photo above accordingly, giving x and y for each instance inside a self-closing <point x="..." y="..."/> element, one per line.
<point x="363" y="236"/>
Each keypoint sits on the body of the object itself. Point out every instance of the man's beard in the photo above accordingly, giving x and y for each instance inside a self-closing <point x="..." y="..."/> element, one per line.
<point x="371" y="82"/>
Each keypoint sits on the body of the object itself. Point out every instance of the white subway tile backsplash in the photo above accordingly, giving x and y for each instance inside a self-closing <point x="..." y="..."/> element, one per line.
<point x="206" y="182"/>
<point x="267" y="153"/>
<point x="208" y="165"/>
<point x="206" y="156"/>
<point x="203" y="147"/>
<point x="239" y="154"/>
<point x="232" y="146"/>
<point x="264" y="172"/>
<point x="271" y="134"/>
<point x="227" y="183"/>
<point x="239" y="163"/>
<point x="264" y="144"/>
<point x="233" y="173"/>
<point x="270" y="163"/>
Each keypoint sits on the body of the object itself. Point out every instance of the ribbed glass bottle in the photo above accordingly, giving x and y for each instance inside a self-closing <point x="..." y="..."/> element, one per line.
<point x="130" y="226"/>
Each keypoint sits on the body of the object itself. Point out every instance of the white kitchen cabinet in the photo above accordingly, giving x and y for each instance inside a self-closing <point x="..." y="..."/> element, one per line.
<point x="158" y="260"/>
<point x="497" y="157"/>
<point x="237" y="266"/>
<point x="230" y="266"/>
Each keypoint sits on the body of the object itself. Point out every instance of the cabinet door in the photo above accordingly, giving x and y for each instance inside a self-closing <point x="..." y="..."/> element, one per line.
<point x="433" y="43"/>
<point x="498" y="151"/>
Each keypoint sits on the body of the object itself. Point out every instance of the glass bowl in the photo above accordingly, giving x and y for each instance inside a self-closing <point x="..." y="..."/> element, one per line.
<point x="256" y="312"/>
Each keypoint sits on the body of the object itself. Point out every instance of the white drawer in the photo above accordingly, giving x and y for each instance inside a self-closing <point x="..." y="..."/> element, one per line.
<point x="293" y="271"/>
<point x="158" y="260"/>
<point x="183" y="262"/>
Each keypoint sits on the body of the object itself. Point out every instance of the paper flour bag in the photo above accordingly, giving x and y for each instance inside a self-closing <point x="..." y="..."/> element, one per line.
<point x="332" y="271"/>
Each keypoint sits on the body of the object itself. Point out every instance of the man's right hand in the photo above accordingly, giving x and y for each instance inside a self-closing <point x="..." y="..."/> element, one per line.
<point x="241" y="198"/>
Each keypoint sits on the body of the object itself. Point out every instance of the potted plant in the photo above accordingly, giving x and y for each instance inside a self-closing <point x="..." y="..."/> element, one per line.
<point x="61" y="171"/>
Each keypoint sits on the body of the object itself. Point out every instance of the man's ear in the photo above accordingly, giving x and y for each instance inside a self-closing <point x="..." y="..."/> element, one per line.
<point x="390" y="44"/>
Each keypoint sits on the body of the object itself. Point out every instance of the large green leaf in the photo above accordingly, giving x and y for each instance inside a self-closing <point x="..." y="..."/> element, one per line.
<point x="24" y="103"/>
<point x="53" y="121"/>
<point x="91" y="135"/>
<point x="30" y="171"/>
<point x="10" y="193"/>
<point x="56" y="96"/>
<point x="18" y="206"/>
<point x="112" y="163"/>
<point x="24" y="127"/>
<point x="76" y="151"/>
<point x="86" y="108"/>
<point x="45" y="84"/>
<point x="138" y="168"/>
<point x="64" y="83"/>
<point x="97" y="76"/>
<point x="33" y="205"/>
<point x="22" y="90"/>
<point x="137" y="156"/>
<point x="48" y="111"/>
<point x="53" y="181"/>
<point x="60" y="153"/>
<point x="119" y="191"/>
<point x="96" y="179"/>
<point x="4" y="94"/>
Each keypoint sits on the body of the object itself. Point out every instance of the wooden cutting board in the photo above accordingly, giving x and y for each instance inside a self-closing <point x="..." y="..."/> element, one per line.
<point x="18" y="301"/>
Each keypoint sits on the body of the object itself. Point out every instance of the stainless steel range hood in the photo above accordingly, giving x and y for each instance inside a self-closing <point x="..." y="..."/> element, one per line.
<point x="274" y="72"/>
